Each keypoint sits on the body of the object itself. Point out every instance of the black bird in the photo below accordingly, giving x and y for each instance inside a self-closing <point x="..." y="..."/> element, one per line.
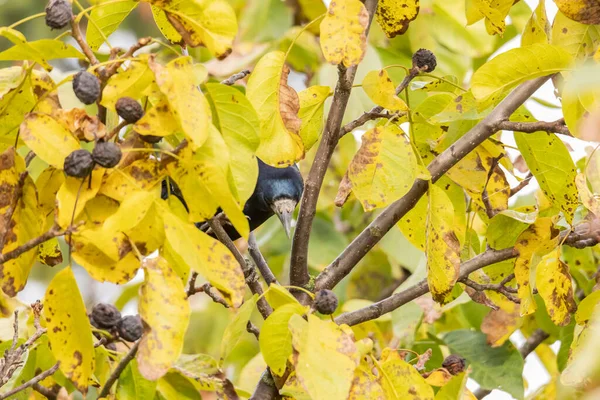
<point x="277" y="191"/>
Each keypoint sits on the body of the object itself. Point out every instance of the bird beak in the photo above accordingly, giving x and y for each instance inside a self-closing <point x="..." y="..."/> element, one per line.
<point x="284" y="208"/>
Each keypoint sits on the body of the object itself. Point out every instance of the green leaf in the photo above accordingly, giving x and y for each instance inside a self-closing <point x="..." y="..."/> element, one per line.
<point x="161" y="346"/>
<point x="552" y="165"/>
<point x="506" y="226"/>
<point x="48" y="48"/>
<point x="174" y="386"/>
<point x="493" y="368"/>
<point x="265" y="20"/>
<point x="132" y="385"/>
<point x="107" y="18"/>
<point x="507" y="70"/>
<point x="312" y="103"/>
<point x="275" y="338"/>
<point x="203" y="368"/>
<point x="69" y="330"/>
<point x="278" y="296"/>
<point x="235" y="118"/>
<point x="236" y="328"/>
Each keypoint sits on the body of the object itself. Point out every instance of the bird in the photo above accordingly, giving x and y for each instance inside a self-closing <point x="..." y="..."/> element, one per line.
<point x="277" y="192"/>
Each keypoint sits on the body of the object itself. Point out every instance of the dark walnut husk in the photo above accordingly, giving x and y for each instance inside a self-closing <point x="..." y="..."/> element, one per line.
<point x="454" y="364"/>
<point x="58" y="14"/>
<point x="424" y="60"/>
<point x="86" y="87"/>
<point x="79" y="163"/>
<point x="326" y="301"/>
<point x="105" y="316"/>
<point x="130" y="328"/>
<point x="107" y="154"/>
<point x="129" y="109"/>
<point x="151" y="138"/>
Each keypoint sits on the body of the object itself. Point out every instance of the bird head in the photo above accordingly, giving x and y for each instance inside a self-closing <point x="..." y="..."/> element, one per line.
<point x="284" y="208"/>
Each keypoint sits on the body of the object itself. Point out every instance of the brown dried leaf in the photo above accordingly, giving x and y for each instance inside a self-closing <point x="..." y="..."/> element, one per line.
<point x="498" y="325"/>
<point x="289" y="103"/>
<point x="584" y="11"/>
<point x="344" y="191"/>
<point x="84" y="126"/>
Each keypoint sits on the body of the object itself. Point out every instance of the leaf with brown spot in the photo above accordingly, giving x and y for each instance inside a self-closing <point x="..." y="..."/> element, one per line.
<point x="165" y="310"/>
<point x="394" y="15"/>
<point x="495" y="12"/>
<point x="537" y="29"/>
<point x="553" y="282"/>
<point x="365" y="385"/>
<point x="536" y="241"/>
<point x="588" y="199"/>
<point x="69" y="330"/>
<point x="384" y="168"/>
<point x="400" y="380"/>
<point x="580" y="40"/>
<point x="584" y="11"/>
<point x="142" y="174"/>
<point x="343" y="32"/>
<point x="498" y="325"/>
<point x="207" y="256"/>
<point x="277" y="105"/>
<point x="131" y="82"/>
<point x="47" y="185"/>
<point x="442" y="246"/>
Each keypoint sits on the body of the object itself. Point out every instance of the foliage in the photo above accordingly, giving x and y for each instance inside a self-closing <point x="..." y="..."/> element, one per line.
<point x="454" y="235"/>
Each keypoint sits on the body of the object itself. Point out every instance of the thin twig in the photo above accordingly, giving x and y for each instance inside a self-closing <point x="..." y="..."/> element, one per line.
<point x="260" y="261"/>
<point x="76" y="33"/>
<point x="521" y="185"/>
<point x="31" y="382"/>
<point x="557" y="126"/>
<point x="236" y="77"/>
<point x="116" y="130"/>
<point x="12" y="207"/>
<point x="489" y="208"/>
<point x="496" y="287"/>
<point x="112" y="68"/>
<point x="117" y="372"/>
<point x="247" y="267"/>
<point x="44" y="391"/>
<point x="250" y="327"/>
<point x="53" y="232"/>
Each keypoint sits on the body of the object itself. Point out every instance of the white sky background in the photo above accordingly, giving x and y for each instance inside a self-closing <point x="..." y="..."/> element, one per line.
<point x="534" y="373"/>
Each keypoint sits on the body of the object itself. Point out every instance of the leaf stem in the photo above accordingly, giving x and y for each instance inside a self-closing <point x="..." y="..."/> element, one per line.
<point x="26" y="19"/>
<point x="300" y="33"/>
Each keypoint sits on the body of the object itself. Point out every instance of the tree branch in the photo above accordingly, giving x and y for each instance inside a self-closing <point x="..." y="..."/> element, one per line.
<point x="557" y="126"/>
<point x="521" y="185"/>
<point x="299" y="258"/>
<point x="260" y="261"/>
<point x="501" y="287"/>
<point x="236" y="77"/>
<point x="51" y="233"/>
<point x="112" y="68"/>
<point x="31" y="382"/>
<point x="371" y="235"/>
<point x="206" y="288"/>
<point x="119" y="370"/>
<point x="76" y="33"/>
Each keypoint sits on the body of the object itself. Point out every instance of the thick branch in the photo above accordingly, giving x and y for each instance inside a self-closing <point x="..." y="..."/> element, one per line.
<point x="260" y="261"/>
<point x="557" y="126"/>
<point x="119" y="370"/>
<point x="371" y="235"/>
<point x="299" y="258"/>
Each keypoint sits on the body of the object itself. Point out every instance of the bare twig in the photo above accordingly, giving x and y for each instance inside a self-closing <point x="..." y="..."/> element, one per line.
<point x="31" y="382"/>
<point x="206" y="288"/>
<point x="249" y="272"/>
<point x="496" y="287"/>
<point x="112" y="68"/>
<point x="51" y="233"/>
<point x="76" y="33"/>
<point x="260" y="261"/>
<point x="116" y="130"/>
<point x="521" y="185"/>
<point x="489" y="208"/>
<point x="299" y="257"/>
<point x="12" y="207"/>
<point x="557" y="126"/>
<point x="236" y="77"/>
<point x="119" y="370"/>
<point x="44" y="391"/>
<point x="371" y="235"/>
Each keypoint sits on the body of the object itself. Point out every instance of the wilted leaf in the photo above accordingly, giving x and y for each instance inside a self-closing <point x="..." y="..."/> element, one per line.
<point x="106" y="18"/>
<point x="318" y="340"/>
<point x="312" y="102"/>
<point x="536" y="241"/>
<point x="498" y="325"/>
<point x="401" y="380"/>
<point x="208" y="23"/>
<point x="551" y="164"/>
<point x="69" y="330"/>
<point x="379" y="87"/>
<point x="394" y="15"/>
<point x="584" y="11"/>
<point x="384" y="168"/>
<point x="79" y="123"/>
<point x="553" y="282"/>
<point x="162" y="344"/>
<point x="505" y="71"/>
<point x="343" y="32"/>
<point x="48" y="138"/>
<point x="537" y="28"/>
<point x="49" y="253"/>
<point x="238" y="122"/>
<point x="275" y="338"/>
<point x="236" y="328"/>
<point x="209" y="257"/>
<point x="277" y="105"/>
<point x="442" y="246"/>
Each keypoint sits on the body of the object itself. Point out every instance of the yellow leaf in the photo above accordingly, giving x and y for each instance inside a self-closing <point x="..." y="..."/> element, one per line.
<point x="537" y="28"/>
<point x="318" y="340"/>
<point x="379" y="87"/>
<point x="75" y="191"/>
<point x="210" y="23"/>
<point x="158" y="120"/>
<point x="49" y="253"/>
<point x="343" y="32"/>
<point x="536" y="241"/>
<point x="586" y="308"/>
<point x="26" y="222"/>
<point x="162" y="22"/>
<point x="365" y="385"/>
<point x="394" y="15"/>
<point x="588" y="199"/>
<point x="384" y="168"/>
<point x="130" y="213"/>
<point x="411" y="224"/>
<point x="582" y="366"/>
<point x="47" y="184"/>
<point x="131" y="82"/>
<point x="278" y="296"/>
<point x="312" y="102"/>
<point x="401" y="380"/>
<point x="48" y="139"/>
<point x="209" y="257"/>
<point x="495" y="11"/>
<point x="553" y="282"/>
<point x="238" y="122"/>
<point x="162" y="345"/>
<point x="580" y="40"/>
<point x="69" y="331"/>
<point x="277" y="105"/>
<point x="442" y="247"/>
<point x="438" y="377"/>
<point x="275" y="338"/>
<point x="19" y="40"/>
<point x="144" y="174"/>
<point x="237" y="327"/>
<point x="584" y="11"/>
<point x="178" y="83"/>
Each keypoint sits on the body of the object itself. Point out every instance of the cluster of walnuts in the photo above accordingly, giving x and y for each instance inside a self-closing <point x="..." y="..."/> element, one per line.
<point x="107" y="316"/>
